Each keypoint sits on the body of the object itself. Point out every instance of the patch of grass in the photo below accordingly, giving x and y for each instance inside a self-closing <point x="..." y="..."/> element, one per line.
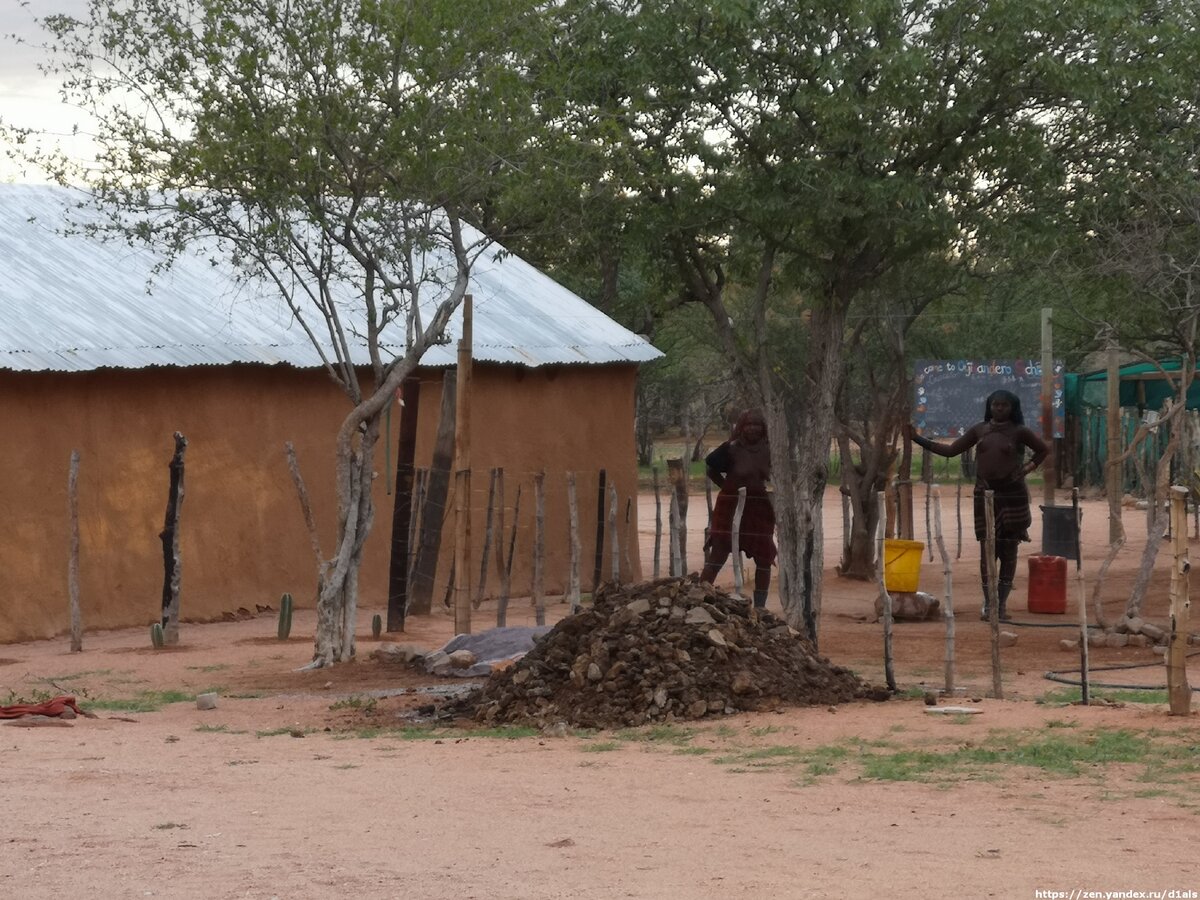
<point x="252" y="695"/>
<point x="213" y="668"/>
<point x="658" y="734"/>
<point x="601" y="747"/>
<point x="1065" y="754"/>
<point x="693" y="751"/>
<point x="725" y="731"/>
<point x="1068" y="696"/>
<point x="145" y="701"/>
<point x="348" y="766"/>
<point x="363" y="704"/>
<point x="168" y="825"/>
<point x="765" y="730"/>
<point x="213" y="729"/>
<point x="293" y="732"/>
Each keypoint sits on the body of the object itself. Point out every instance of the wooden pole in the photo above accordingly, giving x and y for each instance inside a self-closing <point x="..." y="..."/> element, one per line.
<point x="539" y="545"/>
<point x="506" y="578"/>
<point x="1084" y="690"/>
<point x="612" y="528"/>
<point x="1113" y="485"/>
<point x="462" y="469"/>
<point x="927" y="480"/>
<point x="735" y="543"/>
<point x="658" y="529"/>
<point x="905" y="505"/>
<point x="1049" y="473"/>
<point x="677" y="472"/>
<point x="73" y="554"/>
<point x="958" y="519"/>
<point x="172" y="561"/>
<point x="627" y="543"/>
<point x="434" y="507"/>
<point x="402" y="504"/>
<point x="1179" y="693"/>
<point x="600" y="498"/>
<point x="889" y="672"/>
<point x="993" y="602"/>
<point x="573" y="589"/>
<point x="487" y="540"/>
<point x="673" y="535"/>
<point x="500" y="522"/>
<point x="708" y="503"/>
<point x="948" y="595"/>
<point x="414" y="522"/>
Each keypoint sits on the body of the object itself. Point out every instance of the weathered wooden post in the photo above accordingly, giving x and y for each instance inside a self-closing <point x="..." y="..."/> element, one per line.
<point x="612" y="527"/>
<point x="573" y="588"/>
<point x="600" y="498"/>
<point x="73" y="554"/>
<point x="1084" y="687"/>
<point x="539" y="546"/>
<point x="889" y="673"/>
<point x="172" y="562"/>
<point x="437" y="492"/>
<point x="402" y="504"/>
<point x="627" y="543"/>
<point x="735" y="543"/>
<point x="678" y="476"/>
<point x="993" y="603"/>
<point x="506" y="576"/>
<point x="658" y="528"/>
<point x="948" y="581"/>
<point x="673" y="536"/>
<point x="1179" y="693"/>
<point x="487" y="540"/>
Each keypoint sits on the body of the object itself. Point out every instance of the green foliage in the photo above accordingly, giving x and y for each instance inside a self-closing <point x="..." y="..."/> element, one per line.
<point x="156" y="636"/>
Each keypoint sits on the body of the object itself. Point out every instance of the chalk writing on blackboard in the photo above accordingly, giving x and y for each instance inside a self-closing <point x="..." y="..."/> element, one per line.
<point x="949" y="394"/>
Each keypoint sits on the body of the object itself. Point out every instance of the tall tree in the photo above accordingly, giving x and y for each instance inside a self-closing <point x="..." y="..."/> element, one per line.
<point x="782" y="158"/>
<point x="324" y="146"/>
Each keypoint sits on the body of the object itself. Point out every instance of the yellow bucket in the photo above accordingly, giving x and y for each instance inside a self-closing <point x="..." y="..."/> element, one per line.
<point x="902" y="565"/>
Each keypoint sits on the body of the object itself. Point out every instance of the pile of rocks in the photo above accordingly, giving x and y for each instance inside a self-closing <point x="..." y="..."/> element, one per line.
<point x="676" y="648"/>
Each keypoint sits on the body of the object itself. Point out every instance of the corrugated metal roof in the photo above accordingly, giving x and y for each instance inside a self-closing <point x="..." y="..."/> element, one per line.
<point x="74" y="303"/>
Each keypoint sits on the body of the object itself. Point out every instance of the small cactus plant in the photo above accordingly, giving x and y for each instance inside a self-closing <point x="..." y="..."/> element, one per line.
<point x="285" y="616"/>
<point x="156" y="635"/>
<point x="376" y="626"/>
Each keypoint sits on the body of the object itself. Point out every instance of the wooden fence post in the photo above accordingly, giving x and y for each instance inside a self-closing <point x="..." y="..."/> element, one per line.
<point x="539" y="545"/>
<point x="993" y="602"/>
<point x="658" y="529"/>
<point x="948" y="581"/>
<point x="73" y="554"/>
<point x="1179" y="693"/>
<point x="735" y="542"/>
<point x="172" y="562"/>
<point x="573" y="589"/>
<point x="889" y="673"/>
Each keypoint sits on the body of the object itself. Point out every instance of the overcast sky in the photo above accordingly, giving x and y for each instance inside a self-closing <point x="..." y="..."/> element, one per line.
<point x="26" y="96"/>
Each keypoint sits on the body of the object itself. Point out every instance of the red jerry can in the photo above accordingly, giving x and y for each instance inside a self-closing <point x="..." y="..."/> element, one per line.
<point x="1047" y="584"/>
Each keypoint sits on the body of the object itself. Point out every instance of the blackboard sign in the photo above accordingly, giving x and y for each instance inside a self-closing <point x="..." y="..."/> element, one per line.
<point x="949" y="394"/>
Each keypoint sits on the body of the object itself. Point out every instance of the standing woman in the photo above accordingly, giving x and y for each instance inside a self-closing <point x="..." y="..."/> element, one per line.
<point x="999" y="440"/>
<point x="743" y="461"/>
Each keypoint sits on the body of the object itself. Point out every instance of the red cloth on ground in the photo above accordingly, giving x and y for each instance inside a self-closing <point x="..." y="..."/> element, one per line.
<point x="53" y="707"/>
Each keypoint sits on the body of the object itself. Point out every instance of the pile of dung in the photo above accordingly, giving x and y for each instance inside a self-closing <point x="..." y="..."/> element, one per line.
<point x="672" y="649"/>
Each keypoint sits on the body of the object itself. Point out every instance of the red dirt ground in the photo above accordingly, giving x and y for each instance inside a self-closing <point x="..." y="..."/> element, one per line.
<point x="298" y="784"/>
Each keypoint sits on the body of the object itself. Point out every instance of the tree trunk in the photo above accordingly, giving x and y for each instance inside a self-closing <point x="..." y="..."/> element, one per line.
<point x="799" y="463"/>
<point x="337" y="607"/>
